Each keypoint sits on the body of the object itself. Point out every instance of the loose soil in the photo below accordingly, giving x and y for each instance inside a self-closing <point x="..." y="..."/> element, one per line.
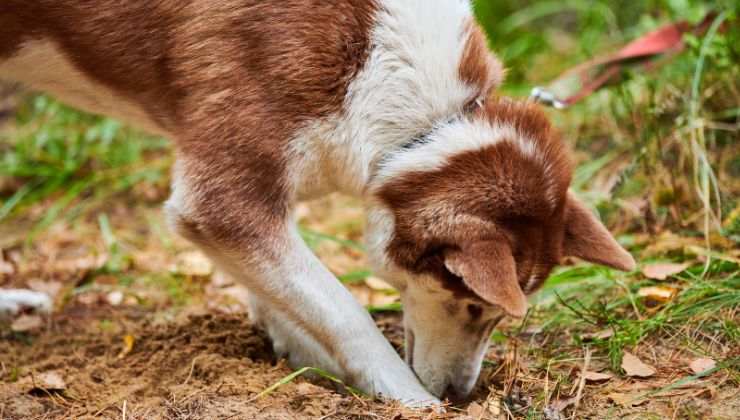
<point x="196" y="366"/>
<point x="164" y="338"/>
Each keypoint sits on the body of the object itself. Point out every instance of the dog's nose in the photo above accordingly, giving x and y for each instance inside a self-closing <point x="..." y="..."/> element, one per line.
<point x="454" y="395"/>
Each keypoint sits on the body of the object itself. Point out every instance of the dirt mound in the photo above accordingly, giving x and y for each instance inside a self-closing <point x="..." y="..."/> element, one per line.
<point x="202" y="366"/>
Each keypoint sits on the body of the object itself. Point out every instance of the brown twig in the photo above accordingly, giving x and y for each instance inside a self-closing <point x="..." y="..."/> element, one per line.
<point x="582" y="382"/>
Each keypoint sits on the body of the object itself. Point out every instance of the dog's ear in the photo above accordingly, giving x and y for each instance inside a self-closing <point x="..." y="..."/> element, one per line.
<point x="587" y="238"/>
<point x="488" y="269"/>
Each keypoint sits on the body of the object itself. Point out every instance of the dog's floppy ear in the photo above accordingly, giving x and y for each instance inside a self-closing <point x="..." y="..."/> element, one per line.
<point x="587" y="238"/>
<point x="488" y="269"/>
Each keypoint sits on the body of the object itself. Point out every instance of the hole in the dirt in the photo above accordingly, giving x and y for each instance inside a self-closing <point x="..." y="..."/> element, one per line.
<point x="45" y="393"/>
<point x="97" y="377"/>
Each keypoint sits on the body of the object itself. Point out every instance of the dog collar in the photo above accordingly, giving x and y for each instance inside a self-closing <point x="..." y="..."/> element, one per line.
<point x="426" y="136"/>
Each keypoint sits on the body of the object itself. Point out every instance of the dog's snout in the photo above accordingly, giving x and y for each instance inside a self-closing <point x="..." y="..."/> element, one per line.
<point x="454" y="395"/>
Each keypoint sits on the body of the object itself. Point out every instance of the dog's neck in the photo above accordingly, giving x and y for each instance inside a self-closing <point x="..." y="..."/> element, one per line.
<point x="420" y="75"/>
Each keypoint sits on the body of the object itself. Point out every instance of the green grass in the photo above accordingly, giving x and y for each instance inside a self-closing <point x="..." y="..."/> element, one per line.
<point x="72" y="161"/>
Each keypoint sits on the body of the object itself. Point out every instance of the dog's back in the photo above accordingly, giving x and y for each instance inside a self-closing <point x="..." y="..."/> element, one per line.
<point x="145" y="62"/>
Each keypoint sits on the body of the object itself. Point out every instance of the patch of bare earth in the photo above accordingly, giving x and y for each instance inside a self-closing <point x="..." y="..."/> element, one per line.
<point x="192" y="367"/>
<point x="158" y="336"/>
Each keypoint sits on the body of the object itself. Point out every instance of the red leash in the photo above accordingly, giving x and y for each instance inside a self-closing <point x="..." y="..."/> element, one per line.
<point x="586" y="78"/>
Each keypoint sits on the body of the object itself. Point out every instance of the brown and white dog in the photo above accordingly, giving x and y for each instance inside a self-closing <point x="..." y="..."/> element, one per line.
<point x="270" y="102"/>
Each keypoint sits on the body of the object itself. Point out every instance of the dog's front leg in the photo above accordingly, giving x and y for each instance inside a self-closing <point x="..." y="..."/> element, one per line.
<point x="314" y="319"/>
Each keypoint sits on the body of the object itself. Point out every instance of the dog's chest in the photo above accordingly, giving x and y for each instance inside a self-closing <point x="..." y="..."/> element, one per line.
<point x="40" y="65"/>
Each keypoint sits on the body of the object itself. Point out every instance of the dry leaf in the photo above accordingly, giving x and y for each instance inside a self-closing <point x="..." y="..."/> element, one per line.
<point x="90" y="298"/>
<point x="369" y="297"/>
<point x="661" y="271"/>
<point x="51" y="288"/>
<point x="475" y="410"/>
<point x="494" y="405"/>
<point x="635" y="367"/>
<point x="193" y="263"/>
<point x="668" y="242"/>
<point x="6" y="267"/>
<point x="657" y="294"/>
<point x="115" y="297"/>
<point x="26" y="323"/>
<point x="702" y="365"/>
<point x="49" y="381"/>
<point x="601" y="335"/>
<point x="627" y="400"/>
<point x="596" y="376"/>
<point x="239" y="293"/>
<point x="82" y="264"/>
<point x="377" y="284"/>
<point x="128" y="346"/>
<point x="220" y="279"/>
<point x="555" y="410"/>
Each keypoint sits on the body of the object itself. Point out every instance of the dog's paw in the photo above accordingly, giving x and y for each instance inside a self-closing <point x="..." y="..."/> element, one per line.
<point x="411" y="394"/>
<point x="14" y="301"/>
<point x="424" y="404"/>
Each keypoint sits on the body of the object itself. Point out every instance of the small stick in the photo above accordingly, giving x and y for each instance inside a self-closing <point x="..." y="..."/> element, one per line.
<point x="582" y="382"/>
<point x="192" y="367"/>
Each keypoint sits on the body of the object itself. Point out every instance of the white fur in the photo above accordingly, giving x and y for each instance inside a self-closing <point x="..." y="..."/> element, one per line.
<point x="456" y="137"/>
<point x="299" y="298"/>
<point x="379" y="228"/>
<point x="445" y="142"/>
<point x="409" y="84"/>
<point x="12" y="301"/>
<point x="41" y="65"/>
<point x="447" y="355"/>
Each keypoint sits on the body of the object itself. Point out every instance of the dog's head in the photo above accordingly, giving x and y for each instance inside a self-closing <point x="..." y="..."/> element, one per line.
<point x="469" y="221"/>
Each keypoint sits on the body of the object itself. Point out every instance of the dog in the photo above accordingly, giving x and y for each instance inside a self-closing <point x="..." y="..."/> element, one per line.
<point x="270" y="102"/>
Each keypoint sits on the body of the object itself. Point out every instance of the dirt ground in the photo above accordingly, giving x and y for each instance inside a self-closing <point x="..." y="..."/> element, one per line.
<point x="197" y="365"/>
<point x="143" y="329"/>
<point x="156" y="336"/>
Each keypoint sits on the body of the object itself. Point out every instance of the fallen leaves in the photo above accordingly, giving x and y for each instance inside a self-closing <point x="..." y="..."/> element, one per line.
<point x="488" y="409"/>
<point x="702" y="365"/>
<point x="635" y="367"/>
<point x="50" y="288"/>
<point x="193" y="263"/>
<point x="6" y="267"/>
<point x="128" y="346"/>
<point x="49" y="381"/>
<point x="596" y="376"/>
<point x="378" y="284"/>
<point x="27" y="323"/>
<point x="475" y="410"/>
<point x="115" y="297"/>
<point x="601" y="335"/>
<point x="662" y="271"/>
<point x="656" y="295"/>
<point x="555" y="410"/>
<point x="43" y="384"/>
<point x="627" y="400"/>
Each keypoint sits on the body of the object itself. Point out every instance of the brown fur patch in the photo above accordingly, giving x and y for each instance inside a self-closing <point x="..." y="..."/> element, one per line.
<point x="478" y="66"/>
<point x="488" y="194"/>
<point x="231" y="80"/>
